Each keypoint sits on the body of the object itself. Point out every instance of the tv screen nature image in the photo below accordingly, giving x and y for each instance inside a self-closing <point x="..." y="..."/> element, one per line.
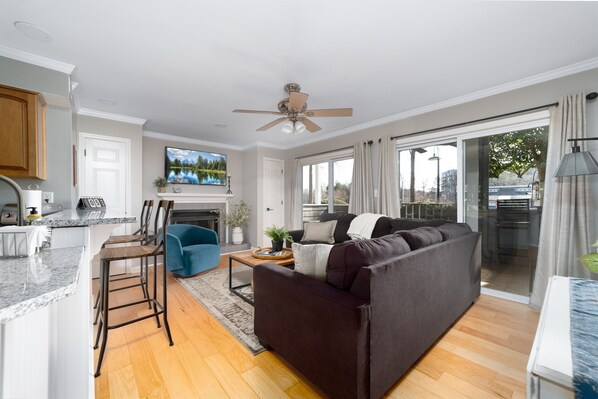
<point x="195" y="167"/>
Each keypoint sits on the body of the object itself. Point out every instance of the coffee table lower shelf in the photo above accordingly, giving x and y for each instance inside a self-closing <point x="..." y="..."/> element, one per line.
<point x="246" y="258"/>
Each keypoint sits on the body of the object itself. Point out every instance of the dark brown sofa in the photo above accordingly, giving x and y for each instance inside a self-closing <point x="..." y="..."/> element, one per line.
<point x="383" y="305"/>
<point x="384" y="226"/>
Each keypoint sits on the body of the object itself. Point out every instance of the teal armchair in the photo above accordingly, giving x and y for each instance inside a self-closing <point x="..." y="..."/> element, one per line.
<point x="191" y="249"/>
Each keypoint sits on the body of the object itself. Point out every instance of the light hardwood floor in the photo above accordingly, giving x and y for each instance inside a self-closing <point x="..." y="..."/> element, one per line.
<point x="483" y="355"/>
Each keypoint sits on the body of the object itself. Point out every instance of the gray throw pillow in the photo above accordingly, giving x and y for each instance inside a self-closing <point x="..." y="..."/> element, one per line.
<point x="319" y="232"/>
<point x="421" y="237"/>
<point x="453" y="230"/>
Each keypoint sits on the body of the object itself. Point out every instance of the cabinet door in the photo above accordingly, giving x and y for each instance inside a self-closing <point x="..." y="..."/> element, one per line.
<point x="22" y="134"/>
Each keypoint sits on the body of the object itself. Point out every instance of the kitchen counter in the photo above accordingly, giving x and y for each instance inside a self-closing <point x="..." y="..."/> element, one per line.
<point x="80" y="217"/>
<point x="31" y="283"/>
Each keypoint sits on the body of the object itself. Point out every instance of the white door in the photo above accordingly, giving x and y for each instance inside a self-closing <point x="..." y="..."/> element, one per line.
<point x="105" y="166"/>
<point x="273" y="194"/>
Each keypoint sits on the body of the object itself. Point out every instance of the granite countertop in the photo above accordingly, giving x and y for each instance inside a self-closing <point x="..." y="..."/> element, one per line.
<point x="28" y="284"/>
<point x="80" y="217"/>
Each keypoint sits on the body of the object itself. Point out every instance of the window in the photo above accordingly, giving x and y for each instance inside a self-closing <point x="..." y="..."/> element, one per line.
<point x="325" y="187"/>
<point x="428" y="182"/>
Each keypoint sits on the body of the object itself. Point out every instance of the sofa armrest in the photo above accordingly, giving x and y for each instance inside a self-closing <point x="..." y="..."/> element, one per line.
<point x="297" y="235"/>
<point x="319" y="329"/>
<point x="174" y="254"/>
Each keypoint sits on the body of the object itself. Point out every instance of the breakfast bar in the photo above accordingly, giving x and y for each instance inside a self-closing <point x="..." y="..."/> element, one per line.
<point x="46" y="308"/>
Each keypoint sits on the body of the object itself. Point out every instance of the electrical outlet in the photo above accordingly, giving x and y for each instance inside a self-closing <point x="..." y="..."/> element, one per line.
<point x="47" y="197"/>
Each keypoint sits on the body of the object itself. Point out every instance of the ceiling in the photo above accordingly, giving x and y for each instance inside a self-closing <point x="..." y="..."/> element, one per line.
<point x="185" y="65"/>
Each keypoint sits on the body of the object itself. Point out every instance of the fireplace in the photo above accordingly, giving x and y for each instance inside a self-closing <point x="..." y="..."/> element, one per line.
<point x="208" y="218"/>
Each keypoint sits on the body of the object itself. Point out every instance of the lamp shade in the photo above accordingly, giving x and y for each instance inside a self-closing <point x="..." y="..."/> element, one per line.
<point x="299" y="127"/>
<point x="577" y="164"/>
<point x="287" y="128"/>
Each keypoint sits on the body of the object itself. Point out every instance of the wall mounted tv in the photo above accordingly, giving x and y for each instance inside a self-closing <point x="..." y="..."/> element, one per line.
<point x="194" y="167"/>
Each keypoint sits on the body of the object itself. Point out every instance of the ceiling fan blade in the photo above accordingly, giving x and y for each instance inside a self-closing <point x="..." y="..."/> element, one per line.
<point x="273" y="123"/>
<point x="330" y="112"/>
<point x="252" y="111"/>
<point x="309" y="125"/>
<point x="297" y="101"/>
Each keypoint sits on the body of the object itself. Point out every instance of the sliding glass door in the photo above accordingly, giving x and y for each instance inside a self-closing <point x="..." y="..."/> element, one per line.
<point x="503" y="177"/>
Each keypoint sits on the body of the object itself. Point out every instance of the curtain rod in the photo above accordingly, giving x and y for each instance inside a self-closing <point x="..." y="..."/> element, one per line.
<point x="330" y="151"/>
<point x="589" y="96"/>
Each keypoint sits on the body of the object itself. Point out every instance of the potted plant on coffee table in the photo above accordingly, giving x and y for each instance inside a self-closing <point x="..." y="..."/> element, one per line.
<point x="278" y="235"/>
<point x="237" y="217"/>
<point x="160" y="183"/>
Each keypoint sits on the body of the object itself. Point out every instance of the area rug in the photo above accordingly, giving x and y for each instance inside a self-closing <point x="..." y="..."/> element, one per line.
<point x="211" y="290"/>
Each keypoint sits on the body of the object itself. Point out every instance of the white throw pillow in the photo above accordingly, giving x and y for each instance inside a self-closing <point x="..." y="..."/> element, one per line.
<point x="311" y="259"/>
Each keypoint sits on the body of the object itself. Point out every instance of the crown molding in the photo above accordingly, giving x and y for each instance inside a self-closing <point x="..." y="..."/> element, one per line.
<point x="517" y="84"/>
<point x="34" y="59"/>
<point x="114" y="117"/>
<point x="262" y="144"/>
<point x="170" y="137"/>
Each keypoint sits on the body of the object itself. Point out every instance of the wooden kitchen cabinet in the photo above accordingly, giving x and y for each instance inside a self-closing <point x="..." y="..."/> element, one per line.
<point x="22" y="133"/>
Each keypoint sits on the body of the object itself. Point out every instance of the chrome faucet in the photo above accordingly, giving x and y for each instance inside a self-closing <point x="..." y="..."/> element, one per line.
<point x="20" y="202"/>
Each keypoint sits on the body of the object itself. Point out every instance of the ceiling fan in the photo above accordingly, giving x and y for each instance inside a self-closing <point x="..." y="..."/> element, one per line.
<point x="294" y="109"/>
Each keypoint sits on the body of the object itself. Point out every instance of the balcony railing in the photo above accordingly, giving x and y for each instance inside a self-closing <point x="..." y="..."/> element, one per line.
<point x="312" y="212"/>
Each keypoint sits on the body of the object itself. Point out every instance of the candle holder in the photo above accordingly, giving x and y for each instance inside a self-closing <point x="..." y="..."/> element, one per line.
<point x="228" y="191"/>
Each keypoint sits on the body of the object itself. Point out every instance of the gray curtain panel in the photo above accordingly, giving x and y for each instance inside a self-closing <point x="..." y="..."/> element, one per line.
<point x="361" y="198"/>
<point x="567" y="228"/>
<point x="388" y="202"/>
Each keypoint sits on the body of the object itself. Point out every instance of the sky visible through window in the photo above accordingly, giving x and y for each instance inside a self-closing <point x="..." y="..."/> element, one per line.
<point x="425" y="169"/>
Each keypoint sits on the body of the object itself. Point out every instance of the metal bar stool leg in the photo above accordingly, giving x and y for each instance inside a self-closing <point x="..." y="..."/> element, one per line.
<point x="146" y="283"/>
<point x="156" y="290"/>
<point x="99" y="308"/>
<point x="105" y="305"/>
<point x="165" y="302"/>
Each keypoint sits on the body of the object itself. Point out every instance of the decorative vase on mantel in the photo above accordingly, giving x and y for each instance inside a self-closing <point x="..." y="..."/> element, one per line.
<point x="161" y="189"/>
<point x="237" y="235"/>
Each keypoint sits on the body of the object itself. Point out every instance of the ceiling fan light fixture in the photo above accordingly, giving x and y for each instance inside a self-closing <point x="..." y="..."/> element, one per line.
<point x="299" y="127"/>
<point x="287" y="128"/>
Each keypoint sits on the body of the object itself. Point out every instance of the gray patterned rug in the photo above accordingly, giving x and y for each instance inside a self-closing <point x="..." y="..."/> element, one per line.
<point x="211" y="290"/>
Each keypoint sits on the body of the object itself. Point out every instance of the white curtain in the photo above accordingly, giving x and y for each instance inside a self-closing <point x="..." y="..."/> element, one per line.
<point x="566" y="230"/>
<point x="295" y="216"/>
<point x="361" y="199"/>
<point x="388" y="180"/>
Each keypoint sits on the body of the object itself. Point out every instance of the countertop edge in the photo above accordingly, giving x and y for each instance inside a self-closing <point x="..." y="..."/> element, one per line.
<point x="30" y="305"/>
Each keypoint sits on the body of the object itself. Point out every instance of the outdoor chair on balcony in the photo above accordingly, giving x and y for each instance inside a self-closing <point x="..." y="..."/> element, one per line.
<point x="191" y="249"/>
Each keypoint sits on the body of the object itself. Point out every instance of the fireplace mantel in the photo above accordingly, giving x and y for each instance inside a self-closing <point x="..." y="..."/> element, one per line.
<point x="195" y="197"/>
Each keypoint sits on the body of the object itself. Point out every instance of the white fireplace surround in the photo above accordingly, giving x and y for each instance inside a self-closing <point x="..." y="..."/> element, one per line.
<point x="200" y="201"/>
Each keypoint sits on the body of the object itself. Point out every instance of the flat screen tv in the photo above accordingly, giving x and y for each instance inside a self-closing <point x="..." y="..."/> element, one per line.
<point x="195" y="167"/>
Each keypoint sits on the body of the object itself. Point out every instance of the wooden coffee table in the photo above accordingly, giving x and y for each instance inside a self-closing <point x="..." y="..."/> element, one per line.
<point x="246" y="258"/>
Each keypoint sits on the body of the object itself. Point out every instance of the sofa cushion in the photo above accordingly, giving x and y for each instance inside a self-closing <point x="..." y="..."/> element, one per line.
<point x="382" y="227"/>
<point x="421" y="237"/>
<point x="319" y="231"/>
<point x="347" y="258"/>
<point x="311" y="260"/>
<point x="453" y="230"/>
<point x="408" y="224"/>
<point x="343" y="221"/>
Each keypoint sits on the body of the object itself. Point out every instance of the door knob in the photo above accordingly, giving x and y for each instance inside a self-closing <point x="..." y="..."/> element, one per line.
<point x="269" y="209"/>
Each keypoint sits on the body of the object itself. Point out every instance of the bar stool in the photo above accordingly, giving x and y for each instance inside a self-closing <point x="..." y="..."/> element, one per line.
<point x="154" y="247"/>
<point x="138" y="236"/>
